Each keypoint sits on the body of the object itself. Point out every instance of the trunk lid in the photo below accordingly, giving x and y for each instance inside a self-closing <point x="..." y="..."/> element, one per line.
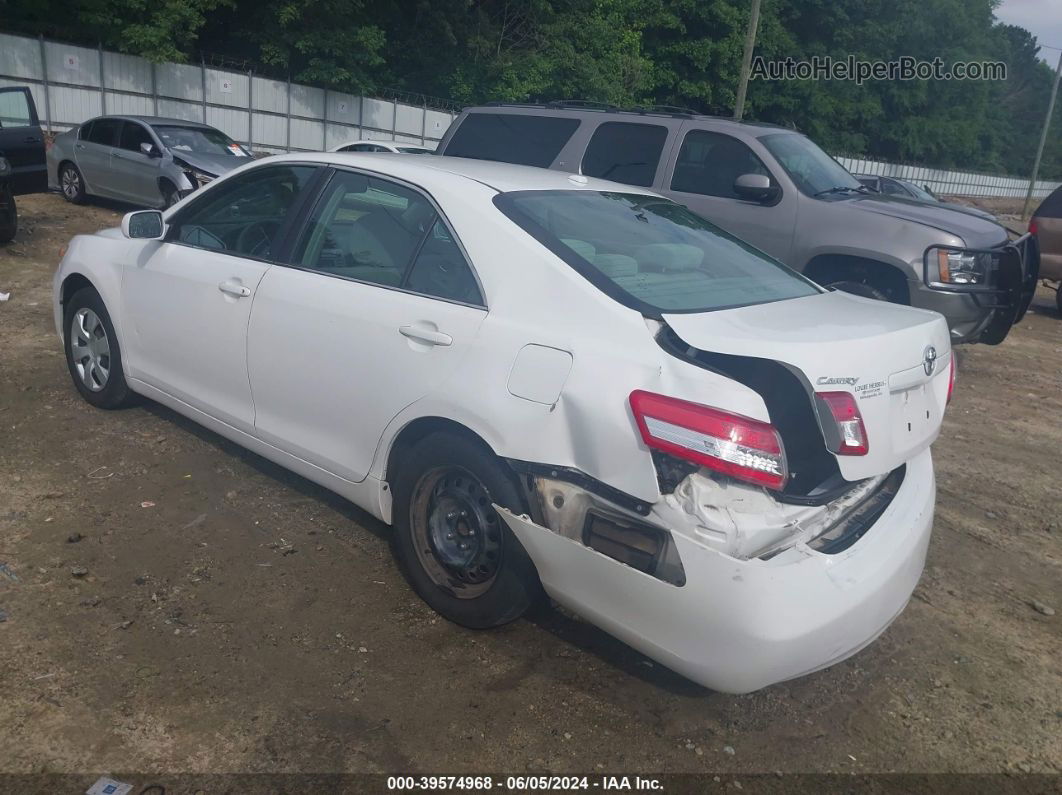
<point x="838" y="342"/>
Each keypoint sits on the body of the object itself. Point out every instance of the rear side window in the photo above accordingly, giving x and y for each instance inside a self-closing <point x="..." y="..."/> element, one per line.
<point x="709" y="163"/>
<point x="511" y="138"/>
<point x="625" y="152"/>
<point x="103" y="131"/>
<point x="651" y="254"/>
<point x="1051" y="207"/>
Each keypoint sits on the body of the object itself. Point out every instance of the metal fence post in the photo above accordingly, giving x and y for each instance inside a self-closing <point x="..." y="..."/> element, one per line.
<point x="44" y="79"/>
<point x="394" y="119"/>
<point x="154" y="90"/>
<point x="324" y="124"/>
<point x="202" y="72"/>
<point x="103" y="92"/>
<point x="250" y="108"/>
<point x="424" y="124"/>
<point x="287" y="137"/>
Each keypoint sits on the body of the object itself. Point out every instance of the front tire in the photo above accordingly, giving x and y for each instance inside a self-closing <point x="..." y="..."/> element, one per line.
<point x="72" y="184"/>
<point x="452" y="546"/>
<point x="8" y="215"/>
<point x="92" y="353"/>
<point x="170" y="195"/>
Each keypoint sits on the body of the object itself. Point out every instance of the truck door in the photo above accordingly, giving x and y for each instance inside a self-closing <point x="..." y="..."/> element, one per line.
<point x="22" y="142"/>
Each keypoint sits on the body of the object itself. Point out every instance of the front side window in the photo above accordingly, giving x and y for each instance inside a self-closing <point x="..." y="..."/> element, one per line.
<point x="104" y="131"/>
<point x="651" y="254"/>
<point x="709" y="164"/>
<point x="891" y="188"/>
<point x="373" y="230"/>
<point x="512" y="138"/>
<point x="202" y="140"/>
<point x="243" y="215"/>
<point x="15" y="109"/>
<point x="133" y="135"/>
<point x="625" y="152"/>
<point x="814" y="172"/>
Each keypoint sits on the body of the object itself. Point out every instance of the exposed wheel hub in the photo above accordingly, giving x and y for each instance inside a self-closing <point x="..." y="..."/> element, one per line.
<point x="458" y="532"/>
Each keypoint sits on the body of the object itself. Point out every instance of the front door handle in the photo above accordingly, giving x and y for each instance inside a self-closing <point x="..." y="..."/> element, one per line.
<point x="426" y="335"/>
<point x="233" y="288"/>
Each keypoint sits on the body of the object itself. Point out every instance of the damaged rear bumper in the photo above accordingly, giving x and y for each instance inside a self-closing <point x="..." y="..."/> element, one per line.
<point x="738" y="625"/>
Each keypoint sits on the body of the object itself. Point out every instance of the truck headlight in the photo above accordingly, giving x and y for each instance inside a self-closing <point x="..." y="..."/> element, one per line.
<point x="956" y="267"/>
<point x="5" y="167"/>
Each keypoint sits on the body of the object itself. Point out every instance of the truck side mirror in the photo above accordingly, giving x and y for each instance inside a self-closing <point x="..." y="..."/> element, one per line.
<point x="150" y="150"/>
<point x="756" y="187"/>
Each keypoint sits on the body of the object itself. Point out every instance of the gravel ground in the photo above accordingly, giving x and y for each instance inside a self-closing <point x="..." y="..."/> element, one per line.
<point x="172" y="603"/>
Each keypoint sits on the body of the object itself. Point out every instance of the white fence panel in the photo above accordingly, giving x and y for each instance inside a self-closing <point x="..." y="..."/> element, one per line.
<point x="269" y="130"/>
<point x="344" y="108"/>
<point x="126" y="73"/>
<point x="377" y="114"/>
<point x="179" y="81"/>
<point x="409" y="120"/>
<point x="232" y="122"/>
<point x="307" y="101"/>
<point x="70" y="106"/>
<point x="129" y="104"/>
<point x="307" y="135"/>
<point x="227" y="88"/>
<point x="78" y="66"/>
<point x="175" y="109"/>
<point x="20" y="57"/>
<point x="270" y="95"/>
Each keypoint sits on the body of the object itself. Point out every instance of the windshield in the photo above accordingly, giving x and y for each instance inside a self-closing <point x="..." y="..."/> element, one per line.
<point x="812" y="170"/>
<point x="204" y="140"/>
<point x="649" y="253"/>
<point x="920" y="193"/>
<point x="415" y="150"/>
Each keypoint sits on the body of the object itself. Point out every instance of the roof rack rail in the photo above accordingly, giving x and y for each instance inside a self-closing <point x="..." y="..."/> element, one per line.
<point x="589" y="104"/>
<point x="667" y="110"/>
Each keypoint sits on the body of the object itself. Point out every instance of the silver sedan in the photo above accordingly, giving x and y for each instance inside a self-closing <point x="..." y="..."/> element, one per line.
<point x="145" y="160"/>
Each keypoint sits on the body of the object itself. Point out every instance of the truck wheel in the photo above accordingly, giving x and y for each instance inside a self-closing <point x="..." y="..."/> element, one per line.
<point x="8" y="215"/>
<point x="170" y="195"/>
<point x="72" y="184"/>
<point x="92" y="353"/>
<point x="861" y="289"/>
<point x="453" y="547"/>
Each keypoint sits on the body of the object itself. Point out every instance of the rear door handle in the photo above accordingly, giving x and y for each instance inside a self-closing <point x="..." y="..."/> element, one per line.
<point x="426" y="336"/>
<point x="233" y="288"/>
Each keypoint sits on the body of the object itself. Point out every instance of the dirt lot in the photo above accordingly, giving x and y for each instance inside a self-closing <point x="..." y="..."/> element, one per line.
<point x="219" y="614"/>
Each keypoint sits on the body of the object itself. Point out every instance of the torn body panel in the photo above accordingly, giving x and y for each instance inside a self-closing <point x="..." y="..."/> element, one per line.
<point x="737" y="625"/>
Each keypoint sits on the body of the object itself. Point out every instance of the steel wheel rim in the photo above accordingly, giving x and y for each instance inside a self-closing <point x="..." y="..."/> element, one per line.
<point x="456" y="531"/>
<point x="71" y="183"/>
<point x="90" y="349"/>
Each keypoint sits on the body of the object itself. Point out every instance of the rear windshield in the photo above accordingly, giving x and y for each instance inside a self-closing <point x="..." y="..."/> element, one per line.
<point x="651" y="254"/>
<point x="510" y="138"/>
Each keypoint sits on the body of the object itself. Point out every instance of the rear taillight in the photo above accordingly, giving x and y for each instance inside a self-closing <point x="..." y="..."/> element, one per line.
<point x="851" y="431"/>
<point x="1032" y="226"/>
<point x="953" y="373"/>
<point x="738" y="446"/>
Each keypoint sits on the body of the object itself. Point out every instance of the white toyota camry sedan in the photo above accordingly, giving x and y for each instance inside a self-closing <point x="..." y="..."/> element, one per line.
<point x="547" y="384"/>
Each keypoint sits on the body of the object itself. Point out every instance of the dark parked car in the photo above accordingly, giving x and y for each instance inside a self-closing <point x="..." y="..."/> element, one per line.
<point x="22" y="158"/>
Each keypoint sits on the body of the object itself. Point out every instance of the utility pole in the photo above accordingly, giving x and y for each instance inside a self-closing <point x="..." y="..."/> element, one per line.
<point x="1043" y="140"/>
<point x="746" y="62"/>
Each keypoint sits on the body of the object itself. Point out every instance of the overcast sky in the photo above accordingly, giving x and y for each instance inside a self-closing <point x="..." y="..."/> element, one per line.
<point x="1043" y="18"/>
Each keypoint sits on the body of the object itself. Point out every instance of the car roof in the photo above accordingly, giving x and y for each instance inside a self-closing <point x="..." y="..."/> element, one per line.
<point x="503" y="177"/>
<point x="658" y="113"/>
<point x="161" y="120"/>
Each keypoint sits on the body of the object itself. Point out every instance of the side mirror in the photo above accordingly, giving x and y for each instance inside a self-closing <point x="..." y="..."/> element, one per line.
<point x="755" y="187"/>
<point x="144" y="225"/>
<point x="150" y="150"/>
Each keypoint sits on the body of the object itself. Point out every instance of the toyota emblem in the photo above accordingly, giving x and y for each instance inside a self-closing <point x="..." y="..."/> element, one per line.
<point x="929" y="359"/>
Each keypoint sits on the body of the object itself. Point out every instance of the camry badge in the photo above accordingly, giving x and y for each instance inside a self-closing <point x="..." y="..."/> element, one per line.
<point x="929" y="359"/>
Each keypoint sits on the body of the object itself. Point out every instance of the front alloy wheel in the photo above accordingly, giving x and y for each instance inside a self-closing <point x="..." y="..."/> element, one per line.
<point x="90" y="349"/>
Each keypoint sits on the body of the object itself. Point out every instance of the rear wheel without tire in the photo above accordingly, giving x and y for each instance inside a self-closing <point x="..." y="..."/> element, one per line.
<point x="8" y="215"/>
<point x="452" y="546"/>
<point x="92" y="353"/>
<point x="860" y="288"/>
<point x="72" y="184"/>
